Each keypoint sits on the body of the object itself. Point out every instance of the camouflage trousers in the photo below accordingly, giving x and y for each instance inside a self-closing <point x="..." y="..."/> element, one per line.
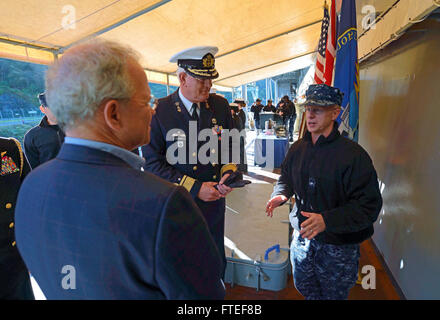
<point x="323" y="271"/>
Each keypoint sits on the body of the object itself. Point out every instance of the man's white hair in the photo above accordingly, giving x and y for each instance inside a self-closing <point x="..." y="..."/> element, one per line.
<point x="179" y="71"/>
<point x="85" y="76"/>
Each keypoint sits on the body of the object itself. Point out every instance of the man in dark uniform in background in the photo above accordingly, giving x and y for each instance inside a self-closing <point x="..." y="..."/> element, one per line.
<point x="14" y="277"/>
<point x="241" y="113"/>
<point x="337" y="200"/>
<point x="242" y="166"/>
<point x="292" y="118"/>
<point x="269" y="107"/>
<point x="238" y="124"/>
<point x="284" y="110"/>
<point x="191" y="107"/>
<point x="256" y="109"/>
<point x="43" y="142"/>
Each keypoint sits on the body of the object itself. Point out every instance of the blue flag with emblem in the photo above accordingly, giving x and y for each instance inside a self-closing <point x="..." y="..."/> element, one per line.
<point x="347" y="70"/>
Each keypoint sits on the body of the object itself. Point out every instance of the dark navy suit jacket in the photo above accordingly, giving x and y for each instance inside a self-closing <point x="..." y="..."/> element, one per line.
<point x="126" y="233"/>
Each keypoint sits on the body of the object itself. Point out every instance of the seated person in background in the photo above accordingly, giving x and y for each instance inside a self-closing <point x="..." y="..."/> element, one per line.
<point x="270" y="107"/>
<point x="43" y="142"/>
<point x="15" y="283"/>
<point x="122" y="232"/>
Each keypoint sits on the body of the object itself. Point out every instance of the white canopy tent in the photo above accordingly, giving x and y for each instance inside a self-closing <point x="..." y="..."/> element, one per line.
<point x="257" y="39"/>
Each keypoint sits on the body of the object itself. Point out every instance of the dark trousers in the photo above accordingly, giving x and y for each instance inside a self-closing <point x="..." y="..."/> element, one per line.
<point x="257" y="123"/>
<point x="291" y="125"/>
<point x="323" y="271"/>
<point x="22" y="291"/>
<point x="242" y="166"/>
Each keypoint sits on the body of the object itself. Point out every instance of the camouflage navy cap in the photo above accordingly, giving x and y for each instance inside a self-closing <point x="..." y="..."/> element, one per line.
<point x="322" y="95"/>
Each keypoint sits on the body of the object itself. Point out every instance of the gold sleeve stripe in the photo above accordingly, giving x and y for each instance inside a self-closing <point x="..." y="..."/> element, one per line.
<point x="229" y="166"/>
<point x="187" y="182"/>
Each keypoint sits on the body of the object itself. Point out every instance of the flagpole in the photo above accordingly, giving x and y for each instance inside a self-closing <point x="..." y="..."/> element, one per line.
<point x="346" y="77"/>
<point x="324" y="64"/>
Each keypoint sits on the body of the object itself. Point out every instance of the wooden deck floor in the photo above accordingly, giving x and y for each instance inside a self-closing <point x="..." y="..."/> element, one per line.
<point x="385" y="289"/>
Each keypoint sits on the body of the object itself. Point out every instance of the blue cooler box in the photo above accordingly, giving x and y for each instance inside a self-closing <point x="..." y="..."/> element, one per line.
<point x="256" y="245"/>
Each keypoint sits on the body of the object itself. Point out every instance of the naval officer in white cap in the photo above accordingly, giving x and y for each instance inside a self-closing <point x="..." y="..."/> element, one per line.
<point x="192" y="101"/>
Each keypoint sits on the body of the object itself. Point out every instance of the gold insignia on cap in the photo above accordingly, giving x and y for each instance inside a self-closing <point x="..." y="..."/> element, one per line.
<point x="208" y="61"/>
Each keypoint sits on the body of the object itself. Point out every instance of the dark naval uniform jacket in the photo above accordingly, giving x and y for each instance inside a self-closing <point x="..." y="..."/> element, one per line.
<point x="14" y="277"/>
<point x="42" y="143"/>
<point x="172" y="121"/>
<point x="242" y="116"/>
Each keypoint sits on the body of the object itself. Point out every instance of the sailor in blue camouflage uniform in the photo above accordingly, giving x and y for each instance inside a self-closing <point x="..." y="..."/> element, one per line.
<point x="179" y="119"/>
<point x="337" y="200"/>
<point x="15" y="283"/>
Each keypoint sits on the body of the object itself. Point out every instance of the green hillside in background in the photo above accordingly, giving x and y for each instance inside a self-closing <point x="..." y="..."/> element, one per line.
<point x="20" y="84"/>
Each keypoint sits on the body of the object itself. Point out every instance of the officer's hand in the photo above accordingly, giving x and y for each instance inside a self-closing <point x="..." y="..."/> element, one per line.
<point x="312" y="226"/>
<point x="223" y="189"/>
<point x="208" y="193"/>
<point x="274" y="203"/>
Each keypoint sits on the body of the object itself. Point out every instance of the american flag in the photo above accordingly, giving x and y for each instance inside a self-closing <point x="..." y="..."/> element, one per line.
<point x="326" y="48"/>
